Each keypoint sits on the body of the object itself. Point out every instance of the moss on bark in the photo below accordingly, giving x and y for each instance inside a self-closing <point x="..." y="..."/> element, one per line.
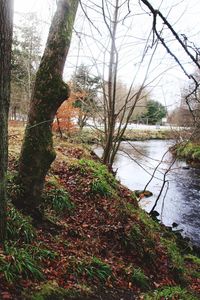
<point x="49" y="92"/>
<point x="6" y="8"/>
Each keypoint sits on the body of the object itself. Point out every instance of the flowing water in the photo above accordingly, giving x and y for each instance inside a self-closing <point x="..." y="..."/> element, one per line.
<point x="180" y="200"/>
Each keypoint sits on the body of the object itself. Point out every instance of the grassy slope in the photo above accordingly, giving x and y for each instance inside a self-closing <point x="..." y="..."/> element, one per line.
<point x="98" y="245"/>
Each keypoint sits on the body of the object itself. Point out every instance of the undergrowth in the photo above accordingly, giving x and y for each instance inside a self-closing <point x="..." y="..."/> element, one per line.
<point x="23" y="262"/>
<point x="176" y="261"/>
<point x="51" y="291"/>
<point x="139" y="244"/>
<point x="19" y="226"/>
<point x="102" y="183"/>
<point x="144" y="247"/>
<point x="168" y="293"/>
<point x="57" y="199"/>
<point x="16" y="262"/>
<point x="93" y="268"/>
<point x="138" y="277"/>
<point x="188" y="151"/>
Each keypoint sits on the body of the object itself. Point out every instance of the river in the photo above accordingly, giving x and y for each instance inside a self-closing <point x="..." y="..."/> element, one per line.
<point x="180" y="200"/>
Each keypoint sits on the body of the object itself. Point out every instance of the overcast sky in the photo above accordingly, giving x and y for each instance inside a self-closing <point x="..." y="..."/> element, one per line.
<point x="184" y="15"/>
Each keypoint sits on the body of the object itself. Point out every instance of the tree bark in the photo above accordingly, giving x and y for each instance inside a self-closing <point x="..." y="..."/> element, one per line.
<point x="6" y="15"/>
<point x="112" y="80"/>
<point x="49" y="92"/>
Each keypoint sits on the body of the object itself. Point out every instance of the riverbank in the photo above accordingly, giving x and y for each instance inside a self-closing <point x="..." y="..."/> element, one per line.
<point x="142" y="135"/>
<point x="188" y="151"/>
<point x="90" y="136"/>
<point x="100" y="244"/>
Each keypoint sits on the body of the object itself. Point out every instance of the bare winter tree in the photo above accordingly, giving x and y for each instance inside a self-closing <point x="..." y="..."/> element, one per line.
<point x="192" y="51"/>
<point x="115" y="120"/>
<point x="6" y="20"/>
<point x="118" y="104"/>
<point x="49" y="92"/>
<point x="26" y="55"/>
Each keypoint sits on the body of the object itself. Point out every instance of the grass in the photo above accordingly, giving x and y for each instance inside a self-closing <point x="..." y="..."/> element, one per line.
<point x="193" y="265"/>
<point x="98" y="269"/>
<point x="139" y="279"/>
<point x="132" y="134"/>
<point x="19" y="226"/>
<point x="94" y="268"/>
<point x="188" y="151"/>
<point x="102" y="183"/>
<point x="57" y="199"/>
<point x="193" y="259"/>
<point x="136" y="242"/>
<point x="16" y="262"/>
<point x="168" y="293"/>
<point x="176" y="260"/>
<point x="23" y="262"/>
<point x="144" y="247"/>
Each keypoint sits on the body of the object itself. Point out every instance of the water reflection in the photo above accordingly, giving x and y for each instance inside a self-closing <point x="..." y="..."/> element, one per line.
<point x="135" y="163"/>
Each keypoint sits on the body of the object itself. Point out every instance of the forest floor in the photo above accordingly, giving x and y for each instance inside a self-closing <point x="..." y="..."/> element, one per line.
<point x="95" y="242"/>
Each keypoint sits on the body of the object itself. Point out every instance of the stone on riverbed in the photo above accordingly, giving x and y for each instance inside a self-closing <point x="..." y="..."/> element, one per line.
<point x="142" y="194"/>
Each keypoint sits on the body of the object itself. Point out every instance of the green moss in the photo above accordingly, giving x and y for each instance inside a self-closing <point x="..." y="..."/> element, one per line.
<point x="193" y="265"/>
<point x="143" y="234"/>
<point x="48" y="291"/>
<point x="151" y="224"/>
<point x="103" y="182"/>
<point x="176" y="259"/>
<point x="141" y="241"/>
<point x="51" y="291"/>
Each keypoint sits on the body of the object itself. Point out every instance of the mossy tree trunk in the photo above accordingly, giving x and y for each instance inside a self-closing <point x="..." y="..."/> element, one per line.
<point x="49" y="92"/>
<point x="6" y="16"/>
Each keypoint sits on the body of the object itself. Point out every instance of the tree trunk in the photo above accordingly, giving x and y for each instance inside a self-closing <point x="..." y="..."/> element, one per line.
<point x="6" y="13"/>
<point x="49" y="92"/>
<point x="112" y="80"/>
